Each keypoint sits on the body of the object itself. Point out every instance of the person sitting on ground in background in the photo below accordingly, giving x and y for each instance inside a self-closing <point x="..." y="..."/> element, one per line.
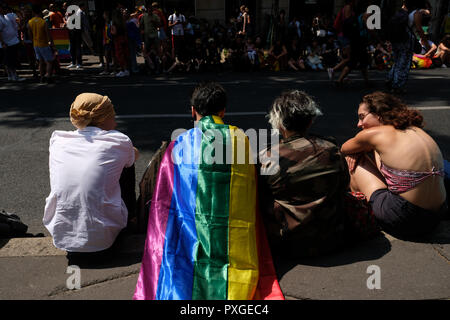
<point x="92" y="195"/>
<point x="428" y="48"/>
<point x="314" y="56"/>
<point x="443" y="51"/>
<point x="251" y="52"/>
<point x="213" y="56"/>
<point x="397" y="166"/>
<point x="278" y="56"/>
<point x="330" y="51"/>
<point x="382" y="56"/>
<point x="295" y="61"/>
<point x="302" y="200"/>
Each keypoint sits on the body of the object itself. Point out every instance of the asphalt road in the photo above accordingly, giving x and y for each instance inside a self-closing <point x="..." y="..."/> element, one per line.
<point x="151" y="108"/>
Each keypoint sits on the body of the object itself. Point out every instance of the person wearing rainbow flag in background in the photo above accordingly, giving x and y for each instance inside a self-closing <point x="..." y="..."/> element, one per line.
<point x="205" y="239"/>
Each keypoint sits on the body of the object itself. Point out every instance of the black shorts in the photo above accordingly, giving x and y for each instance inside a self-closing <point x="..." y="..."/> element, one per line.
<point x="12" y="56"/>
<point x="400" y="217"/>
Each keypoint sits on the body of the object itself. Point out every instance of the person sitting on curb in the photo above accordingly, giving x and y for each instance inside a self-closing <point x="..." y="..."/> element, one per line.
<point x="397" y="166"/>
<point x="302" y="201"/>
<point x="205" y="240"/>
<point x="92" y="179"/>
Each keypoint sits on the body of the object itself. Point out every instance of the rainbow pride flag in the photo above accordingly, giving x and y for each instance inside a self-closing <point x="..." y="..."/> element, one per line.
<point x="62" y="43"/>
<point x="205" y="239"/>
<point x="421" y="62"/>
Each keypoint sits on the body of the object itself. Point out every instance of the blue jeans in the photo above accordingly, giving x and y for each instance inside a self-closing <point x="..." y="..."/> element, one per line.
<point x="398" y="75"/>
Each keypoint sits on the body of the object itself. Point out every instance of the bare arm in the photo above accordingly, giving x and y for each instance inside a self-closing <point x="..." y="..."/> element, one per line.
<point x="432" y="51"/>
<point x="49" y="36"/>
<point x="443" y="47"/>
<point x="365" y="141"/>
<point x="172" y="23"/>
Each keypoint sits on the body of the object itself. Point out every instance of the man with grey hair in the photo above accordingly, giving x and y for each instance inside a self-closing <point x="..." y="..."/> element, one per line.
<point x="302" y="202"/>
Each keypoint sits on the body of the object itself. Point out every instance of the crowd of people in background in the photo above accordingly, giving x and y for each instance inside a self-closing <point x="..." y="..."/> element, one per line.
<point x="171" y="42"/>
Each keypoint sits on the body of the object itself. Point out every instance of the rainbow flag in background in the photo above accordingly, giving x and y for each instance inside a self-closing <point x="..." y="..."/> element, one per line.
<point x="62" y="43"/>
<point x="421" y="62"/>
<point x="205" y="239"/>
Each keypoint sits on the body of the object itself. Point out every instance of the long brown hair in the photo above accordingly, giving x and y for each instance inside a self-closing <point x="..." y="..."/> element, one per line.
<point x="392" y="111"/>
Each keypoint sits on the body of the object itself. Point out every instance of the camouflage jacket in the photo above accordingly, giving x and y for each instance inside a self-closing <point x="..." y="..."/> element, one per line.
<point x="302" y="202"/>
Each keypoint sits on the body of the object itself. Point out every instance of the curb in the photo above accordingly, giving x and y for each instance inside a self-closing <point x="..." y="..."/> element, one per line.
<point x="43" y="247"/>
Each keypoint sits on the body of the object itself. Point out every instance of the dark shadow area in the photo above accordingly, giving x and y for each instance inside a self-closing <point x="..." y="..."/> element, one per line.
<point x="4" y="241"/>
<point x="440" y="235"/>
<point x="113" y="261"/>
<point x="126" y="251"/>
<point x="362" y="251"/>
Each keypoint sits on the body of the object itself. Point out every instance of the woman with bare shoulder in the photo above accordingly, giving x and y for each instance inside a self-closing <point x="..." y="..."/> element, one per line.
<point x="398" y="166"/>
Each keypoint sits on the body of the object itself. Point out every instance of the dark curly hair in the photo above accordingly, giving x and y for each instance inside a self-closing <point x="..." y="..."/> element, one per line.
<point x="392" y="111"/>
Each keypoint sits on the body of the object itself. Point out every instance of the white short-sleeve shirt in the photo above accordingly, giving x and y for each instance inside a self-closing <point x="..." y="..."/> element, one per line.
<point x="84" y="211"/>
<point x="9" y="29"/>
<point x="177" y="30"/>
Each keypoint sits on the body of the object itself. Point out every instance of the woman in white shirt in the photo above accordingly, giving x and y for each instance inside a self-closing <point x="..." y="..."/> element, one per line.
<point x="85" y="211"/>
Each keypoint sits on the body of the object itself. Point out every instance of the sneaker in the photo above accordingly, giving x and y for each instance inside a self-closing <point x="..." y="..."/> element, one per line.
<point x="330" y="73"/>
<point x="104" y="73"/>
<point x="100" y="65"/>
<point x="120" y="74"/>
<point x="78" y="67"/>
<point x="70" y="66"/>
<point x="444" y="66"/>
<point x="18" y="79"/>
<point x="126" y="73"/>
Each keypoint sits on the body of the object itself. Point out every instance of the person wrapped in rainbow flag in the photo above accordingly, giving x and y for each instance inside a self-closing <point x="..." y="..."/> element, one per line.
<point x="205" y="239"/>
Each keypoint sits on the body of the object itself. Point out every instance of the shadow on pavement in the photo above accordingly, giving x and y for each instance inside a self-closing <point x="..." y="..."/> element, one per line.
<point x="114" y="261"/>
<point x="441" y="235"/>
<point x="126" y="251"/>
<point x="362" y="251"/>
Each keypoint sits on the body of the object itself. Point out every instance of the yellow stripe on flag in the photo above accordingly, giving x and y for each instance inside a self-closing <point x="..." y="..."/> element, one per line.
<point x="243" y="270"/>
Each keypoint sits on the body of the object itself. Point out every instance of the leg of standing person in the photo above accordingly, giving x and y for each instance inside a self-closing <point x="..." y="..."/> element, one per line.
<point x="133" y="62"/>
<point x="73" y="47"/>
<point x="403" y="66"/>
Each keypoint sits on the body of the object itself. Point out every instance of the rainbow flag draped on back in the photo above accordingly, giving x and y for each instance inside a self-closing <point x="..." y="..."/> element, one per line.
<point x="205" y="239"/>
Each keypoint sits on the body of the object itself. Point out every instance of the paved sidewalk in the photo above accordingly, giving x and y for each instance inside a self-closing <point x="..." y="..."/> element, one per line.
<point x="34" y="269"/>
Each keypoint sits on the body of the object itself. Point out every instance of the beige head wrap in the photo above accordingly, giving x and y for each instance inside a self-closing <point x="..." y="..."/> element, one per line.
<point x="90" y="109"/>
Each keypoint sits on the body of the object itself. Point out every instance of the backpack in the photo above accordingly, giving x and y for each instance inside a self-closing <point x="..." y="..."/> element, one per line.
<point x="11" y="226"/>
<point x="398" y="27"/>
